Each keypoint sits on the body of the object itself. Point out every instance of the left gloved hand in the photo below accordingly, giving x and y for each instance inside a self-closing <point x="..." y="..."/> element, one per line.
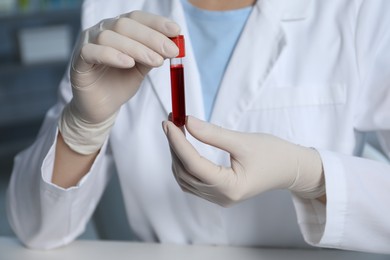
<point x="259" y="162"/>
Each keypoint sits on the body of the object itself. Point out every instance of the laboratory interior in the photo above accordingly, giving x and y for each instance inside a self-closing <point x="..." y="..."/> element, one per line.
<point x="36" y="40"/>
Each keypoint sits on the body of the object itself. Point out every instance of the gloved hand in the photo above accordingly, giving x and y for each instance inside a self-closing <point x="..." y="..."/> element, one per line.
<point x="108" y="65"/>
<point x="259" y="162"/>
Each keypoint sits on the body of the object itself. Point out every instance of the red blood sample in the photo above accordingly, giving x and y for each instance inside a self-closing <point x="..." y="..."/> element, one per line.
<point x="177" y="84"/>
<point x="178" y="95"/>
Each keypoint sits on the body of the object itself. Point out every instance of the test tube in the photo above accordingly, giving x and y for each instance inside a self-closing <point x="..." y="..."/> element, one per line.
<point x="177" y="83"/>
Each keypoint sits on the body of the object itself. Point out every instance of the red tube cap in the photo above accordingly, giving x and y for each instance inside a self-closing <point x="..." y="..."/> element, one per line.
<point x="179" y="41"/>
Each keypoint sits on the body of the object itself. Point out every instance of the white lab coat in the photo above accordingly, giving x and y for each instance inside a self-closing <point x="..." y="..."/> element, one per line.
<point x="313" y="72"/>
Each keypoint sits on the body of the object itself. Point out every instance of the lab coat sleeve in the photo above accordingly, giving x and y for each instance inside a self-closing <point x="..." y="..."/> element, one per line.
<point x="42" y="214"/>
<point x="356" y="215"/>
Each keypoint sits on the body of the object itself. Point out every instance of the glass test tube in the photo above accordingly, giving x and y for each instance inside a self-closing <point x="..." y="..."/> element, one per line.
<point x="177" y="83"/>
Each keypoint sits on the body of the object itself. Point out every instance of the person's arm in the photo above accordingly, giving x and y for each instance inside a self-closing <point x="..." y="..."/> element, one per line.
<point x="355" y="216"/>
<point x="42" y="214"/>
<point x="56" y="182"/>
<point x="357" y="189"/>
<point x="69" y="166"/>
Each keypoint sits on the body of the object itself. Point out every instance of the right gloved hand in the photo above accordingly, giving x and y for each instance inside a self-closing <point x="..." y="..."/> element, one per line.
<point x="108" y="65"/>
<point x="258" y="162"/>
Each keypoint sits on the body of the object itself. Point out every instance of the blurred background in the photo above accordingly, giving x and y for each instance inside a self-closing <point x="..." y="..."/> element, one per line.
<point x="36" y="40"/>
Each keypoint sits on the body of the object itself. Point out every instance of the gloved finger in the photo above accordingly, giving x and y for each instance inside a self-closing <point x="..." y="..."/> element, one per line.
<point x="146" y="36"/>
<point x="182" y="177"/>
<point x="177" y="169"/>
<point x="213" y="198"/>
<point x="189" y="184"/>
<point x="134" y="49"/>
<point x="185" y="179"/>
<point x="227" y="140"/>
<point x="156" y="22"/>
<point x="97" y="54"/>
<point x="189" y="189"/>
<point x="180" y="172"/>
<point x="182" y="128"/>
<point x="193" y="163"/>
<point x="145" y="28"/>
<point x="176" y="166"/>
<point x="186" y="187"/>
<point x="186" y="184"/>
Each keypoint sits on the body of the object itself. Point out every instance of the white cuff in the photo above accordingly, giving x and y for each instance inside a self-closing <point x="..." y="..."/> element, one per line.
<point x="320" y="225"/>
<point x="48" y="166"/>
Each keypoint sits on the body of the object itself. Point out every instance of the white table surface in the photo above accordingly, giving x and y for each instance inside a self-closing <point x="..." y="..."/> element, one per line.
<point x="11" y="249"/>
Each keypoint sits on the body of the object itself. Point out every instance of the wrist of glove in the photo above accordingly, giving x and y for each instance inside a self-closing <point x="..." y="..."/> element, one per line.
<point x="80" y="135"/>
<point x="258" y="163"/>
<point x="309" y="180"/>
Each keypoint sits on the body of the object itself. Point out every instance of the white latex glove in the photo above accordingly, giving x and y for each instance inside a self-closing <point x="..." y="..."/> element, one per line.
<point x="259" y="162"/>
<point x="109" y="63"/>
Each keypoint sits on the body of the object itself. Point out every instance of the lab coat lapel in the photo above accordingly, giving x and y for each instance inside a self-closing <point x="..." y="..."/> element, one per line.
<point x="160" y="77"/>
<point x="256" y="53"/>
<point x="206" y="224"/>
